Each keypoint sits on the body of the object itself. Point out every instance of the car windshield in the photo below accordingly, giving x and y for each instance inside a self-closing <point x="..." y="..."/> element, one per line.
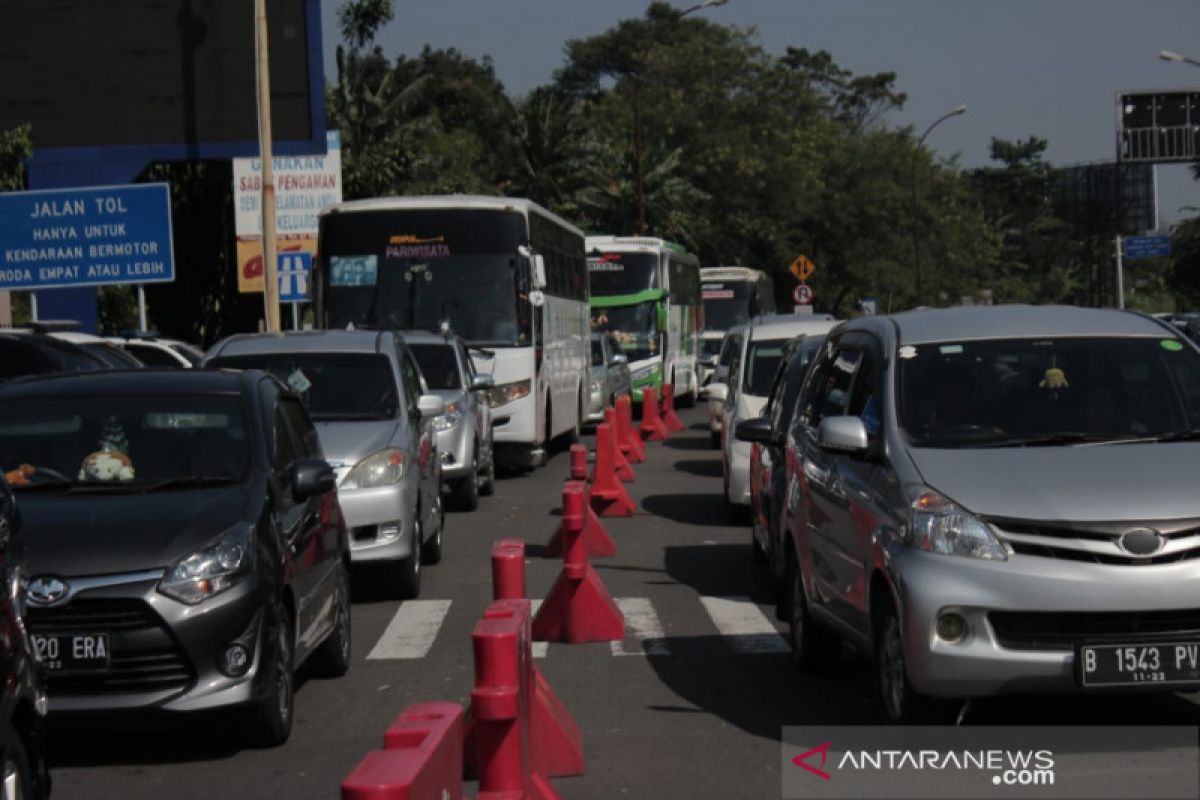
<point x="111" y="355"/>
<point x="1025" y="392"/>
<point x="632" y="327"/>
<point x="126" y="440"/>
<point x="438" y="365"/>
<point x="334" y="386"/>
<point x="726" y="303"/>
<point x="762" y="362"/>
<point x="613" y="274"/>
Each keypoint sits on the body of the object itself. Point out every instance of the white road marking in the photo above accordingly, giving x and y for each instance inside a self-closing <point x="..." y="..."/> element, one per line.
<point x="540" y="649"/>
<point x="412" y="631"/>
<point x="642" y="620"/>
<point x="744" y="625"/>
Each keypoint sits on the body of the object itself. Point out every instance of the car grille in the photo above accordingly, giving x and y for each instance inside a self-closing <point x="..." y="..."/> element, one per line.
<point x="1021" y="630"/>
<point x="144" y="655"/>
<point x="1098" y="544"/>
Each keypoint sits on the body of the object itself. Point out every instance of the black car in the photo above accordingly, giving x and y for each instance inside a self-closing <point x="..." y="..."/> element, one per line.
<point x="24" y="354"/>
<point x="182" y="542"/>
<point x="23" y="701"/>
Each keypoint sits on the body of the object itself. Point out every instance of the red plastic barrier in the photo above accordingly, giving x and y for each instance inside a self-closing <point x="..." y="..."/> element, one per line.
<point x="508" y="569"/>
<point x="652" y="429"/>
<point x="599" y="543"/>
<point x="608" y="495"/>
<point x="578" y="462"/>
<point x="579" y="607"/>
<point x="422" y="759"/>
<point x="669" y="417"/>
<point x="629" y="440"/>
<point x="624" y="469"/>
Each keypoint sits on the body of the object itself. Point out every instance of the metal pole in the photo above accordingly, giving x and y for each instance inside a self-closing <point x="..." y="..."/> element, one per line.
<point x="270" y="267"/>
<point x="33" y="310"/>
<point x="1120" y="276"/>
<point x="913" y="179"/>
<point x="295" y="316"/>
<point x="141" y="292"/>
<point x="637" y="154"/>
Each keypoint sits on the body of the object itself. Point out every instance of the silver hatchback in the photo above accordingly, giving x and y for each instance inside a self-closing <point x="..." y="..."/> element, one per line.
<point x="998" y="500"/>
<point x="375" y="421"/>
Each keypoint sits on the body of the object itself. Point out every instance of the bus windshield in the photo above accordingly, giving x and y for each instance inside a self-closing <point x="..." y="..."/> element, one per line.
<point x="726" y="304"/>
<point x="632" y="326"/>
<point x="613" y="274"/>
<point x="417" y="269"/>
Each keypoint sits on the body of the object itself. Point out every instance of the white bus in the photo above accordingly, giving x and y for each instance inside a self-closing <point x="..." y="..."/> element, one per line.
<point x="646" y="292"/>
<point x="732" y="296"/>
<point x="504" y="273"/>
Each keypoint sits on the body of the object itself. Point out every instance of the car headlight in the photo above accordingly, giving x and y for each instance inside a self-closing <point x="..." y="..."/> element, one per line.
<point x="939" y="525"/>
<point x="507" y="392"/>
<point x="212" y="569"/>
<point x="598" y="385"/>
<point x="450" y="418"/>
<point x="380" y="469"/>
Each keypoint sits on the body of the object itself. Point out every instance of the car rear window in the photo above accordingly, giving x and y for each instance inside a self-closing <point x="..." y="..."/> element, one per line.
<point x="762" y="361"/>
<point x="438" y="365"/>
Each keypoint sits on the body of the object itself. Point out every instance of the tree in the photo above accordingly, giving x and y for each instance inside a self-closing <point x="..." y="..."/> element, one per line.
<point x="15" y="146"/>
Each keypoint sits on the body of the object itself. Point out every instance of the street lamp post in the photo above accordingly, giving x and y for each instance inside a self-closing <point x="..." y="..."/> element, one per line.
<point x="915" y="222"/>
<point x="1169" y="55"/>
<point x="637" y="119"/>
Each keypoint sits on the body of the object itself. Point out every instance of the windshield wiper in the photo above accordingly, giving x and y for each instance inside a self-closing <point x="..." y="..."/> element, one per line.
<point x="1191" y="435"/>
<point x="1075" y="437"/>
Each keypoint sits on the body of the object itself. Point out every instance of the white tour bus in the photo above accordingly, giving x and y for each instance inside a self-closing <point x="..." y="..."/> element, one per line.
<point x="732" y="296"/>
<point x="504" y="273"/>
<point x="646" y="292"/>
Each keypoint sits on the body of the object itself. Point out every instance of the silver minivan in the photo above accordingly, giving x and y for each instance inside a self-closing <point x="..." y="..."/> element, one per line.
<point x="997" y="500"/>
<point x="365" y="393"/>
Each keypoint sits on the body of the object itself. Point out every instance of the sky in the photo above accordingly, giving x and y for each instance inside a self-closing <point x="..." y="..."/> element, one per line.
<point x="1046" y="68"/>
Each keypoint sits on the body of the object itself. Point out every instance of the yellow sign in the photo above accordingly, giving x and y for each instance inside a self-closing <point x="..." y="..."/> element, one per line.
<point x="250" y="257"/>
<point x="802" y="268"/>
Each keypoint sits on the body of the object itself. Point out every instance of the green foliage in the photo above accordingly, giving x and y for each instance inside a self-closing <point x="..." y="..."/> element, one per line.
<point x="360" y="20"/>
<point x="15" y="147"/>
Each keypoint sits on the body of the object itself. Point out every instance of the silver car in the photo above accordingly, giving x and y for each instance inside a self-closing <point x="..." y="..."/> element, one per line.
<point x="994" y="500"/>
<point x="610" y="376"/>
<point x="464" y="432"/>
<point x="375" y="421"/>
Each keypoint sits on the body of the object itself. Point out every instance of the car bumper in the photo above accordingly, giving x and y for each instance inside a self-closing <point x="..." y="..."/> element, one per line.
<point x="739" y="472"/>
<point x="163" y="653"/>
<point x="379" y="520"/>
<point x="714" y="414"/>
<point x="455" y="447"/>
<point x="1008" y="604"/>
<point x="596" y="405"/>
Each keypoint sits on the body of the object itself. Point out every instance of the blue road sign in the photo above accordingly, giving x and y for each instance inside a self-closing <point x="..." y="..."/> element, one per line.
<point x="1147" y="246"/>
<point x="86" y="237"/>
<point x="293" y="274"/>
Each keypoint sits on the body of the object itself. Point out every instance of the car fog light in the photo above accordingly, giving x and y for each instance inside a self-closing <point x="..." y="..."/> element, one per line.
<point x="388" y="533"/>
<point x="951" y="628"/>
<point x="235" y="660"/>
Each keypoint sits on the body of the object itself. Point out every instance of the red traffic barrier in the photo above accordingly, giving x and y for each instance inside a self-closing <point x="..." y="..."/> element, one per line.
<point x="669" y="417"/>
<point x="508" y="569"/>
<point x="624" y="470"/>
<point x="652" y="429"/>
<point x="608" y="495"/>
<point x="578" y="462"/>
<point x="596" y="539"/>
<point x="579" y="607"/>
<point x="422" y="759"/>
<point x="628" y="439"/>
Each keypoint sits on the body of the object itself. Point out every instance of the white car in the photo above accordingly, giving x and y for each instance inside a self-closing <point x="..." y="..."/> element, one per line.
<point x="756" y="353"/>
<point x="110" y="354"/>
<point x="154" y="352"/>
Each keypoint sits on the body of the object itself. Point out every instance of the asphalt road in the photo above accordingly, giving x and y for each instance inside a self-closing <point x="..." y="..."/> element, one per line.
<point x="693" y="709"/>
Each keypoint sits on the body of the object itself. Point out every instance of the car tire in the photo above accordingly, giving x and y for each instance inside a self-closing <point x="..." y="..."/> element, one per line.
<point x="332" y="657"/>
<point x="271" y="721"/>
<point x="431" y="550"/>
<point x="408" y="580"/>
<point x="487" y="485"/>
<point x="18" y="778"/>
<point x="899" y="704"/>
<point x="756" y="550"/>
<point x="814" y="648"/>
<point x="714" y="440"/>
<point x="734" y="514"/>
<point x="466" y="490"/>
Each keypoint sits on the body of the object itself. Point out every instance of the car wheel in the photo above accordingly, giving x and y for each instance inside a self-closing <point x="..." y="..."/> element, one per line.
<point x="466" y="490"/>
<point x="409" y="579"/>
<point x="332" y="658"/>
<point x="714" y="440"/>
<point x="271" y="724"/>
<point x="487" y="486"/>
<point x="18" y="774"/>
<point x="756" y="548"/>
<point x="900" y="704"/>
<point x="431" y="551"/>
<point x="813" y="647"/>
<point x="734" y="514"/>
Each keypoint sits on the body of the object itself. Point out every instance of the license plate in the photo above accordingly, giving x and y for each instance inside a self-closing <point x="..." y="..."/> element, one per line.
<point x="71" y="651"/>
<point x="1138" y="664"/>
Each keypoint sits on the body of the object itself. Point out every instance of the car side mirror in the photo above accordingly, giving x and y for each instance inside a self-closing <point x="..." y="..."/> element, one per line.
<point x="843" y="435"/>
<point x="757" y="430"/>
<point x="482" y="382"/>
<point x="619" y="358"/>
<point x="718" y="392"/>
<point x="312" y="477"/>
<point x="430" y="406"/>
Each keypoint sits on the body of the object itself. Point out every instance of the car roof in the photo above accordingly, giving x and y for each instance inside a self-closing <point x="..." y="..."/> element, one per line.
<point x="1020" y="321"/>
<point x="785" y="326"/>
<point x="141" y="381"/>
<point x="338" y="341"/>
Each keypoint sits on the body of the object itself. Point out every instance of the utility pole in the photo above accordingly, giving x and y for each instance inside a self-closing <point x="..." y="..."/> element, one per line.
<point x="270" y="265"/>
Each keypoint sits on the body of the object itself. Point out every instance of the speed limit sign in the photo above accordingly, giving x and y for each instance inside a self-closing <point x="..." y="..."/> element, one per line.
<point x="802" y="295"/>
